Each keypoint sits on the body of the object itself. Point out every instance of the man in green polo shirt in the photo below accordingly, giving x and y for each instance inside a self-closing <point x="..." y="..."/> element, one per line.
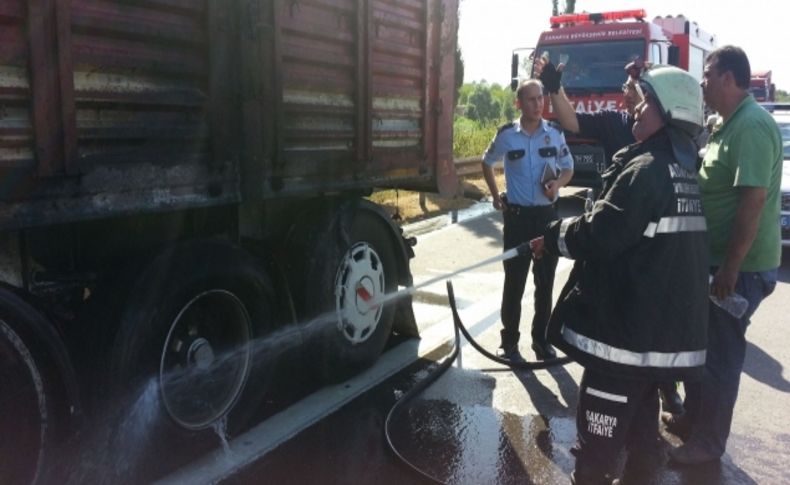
<point x="739" y="183"/>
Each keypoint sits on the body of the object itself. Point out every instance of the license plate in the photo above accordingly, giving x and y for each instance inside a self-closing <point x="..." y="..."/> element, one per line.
<point x="784" y="221"/>
<point x="589" y="161"/>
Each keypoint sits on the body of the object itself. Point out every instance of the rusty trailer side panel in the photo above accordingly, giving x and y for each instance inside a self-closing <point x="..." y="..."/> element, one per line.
<point x="111" y="107"/>
<point x="356" y="90"/>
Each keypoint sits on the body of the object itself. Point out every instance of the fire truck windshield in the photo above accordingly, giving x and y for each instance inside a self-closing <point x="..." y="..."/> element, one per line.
<point x="594" y="67"/>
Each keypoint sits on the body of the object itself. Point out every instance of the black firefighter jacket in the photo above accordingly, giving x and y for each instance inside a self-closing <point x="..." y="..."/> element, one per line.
<point x="636" y="303"/>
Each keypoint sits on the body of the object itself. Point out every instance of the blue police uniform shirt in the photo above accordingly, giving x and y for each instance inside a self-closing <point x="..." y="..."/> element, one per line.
<point x="525" y="157"/>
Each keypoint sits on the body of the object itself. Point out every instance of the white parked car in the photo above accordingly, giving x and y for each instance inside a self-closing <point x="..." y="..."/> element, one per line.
<point x="781" y="113"/>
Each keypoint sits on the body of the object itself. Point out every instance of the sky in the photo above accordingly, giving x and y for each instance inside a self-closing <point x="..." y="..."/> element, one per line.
<point x="490" y="29"/>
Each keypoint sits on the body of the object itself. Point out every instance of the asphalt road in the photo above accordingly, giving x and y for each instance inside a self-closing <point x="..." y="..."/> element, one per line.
<point x="480" y="422"/>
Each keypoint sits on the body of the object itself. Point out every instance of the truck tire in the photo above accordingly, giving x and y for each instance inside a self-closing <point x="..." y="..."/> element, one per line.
<point x="28" y="397"/>
<point x="189" y="325"/>
<point x="354" y="263"/>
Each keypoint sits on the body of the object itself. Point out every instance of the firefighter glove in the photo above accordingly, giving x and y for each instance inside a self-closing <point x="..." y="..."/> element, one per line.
<point x="551" y="77"/>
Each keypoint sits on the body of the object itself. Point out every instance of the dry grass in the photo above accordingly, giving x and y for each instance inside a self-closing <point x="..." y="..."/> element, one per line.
<point x="415" y="206"/>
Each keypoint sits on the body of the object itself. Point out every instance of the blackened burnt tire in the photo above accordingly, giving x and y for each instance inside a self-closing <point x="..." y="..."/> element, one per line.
<point x="189" y="323"/>
<point x="28" y="396"/>
<point x="350" y="266"/>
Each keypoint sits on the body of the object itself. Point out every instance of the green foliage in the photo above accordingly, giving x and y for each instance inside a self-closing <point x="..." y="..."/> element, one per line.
<point x="463" y="93"/>
<point x="782" y="96"/>
<point x="482" y="106"/>
<point x="570" y="7"/>
<point x="481" y="109"/>
<point x="487" y="104"/>
<point x="471" y="138"/>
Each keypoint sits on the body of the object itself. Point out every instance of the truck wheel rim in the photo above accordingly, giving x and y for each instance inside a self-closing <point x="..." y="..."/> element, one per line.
<point x="206" y="359"/>
<point x="359" y="284"/>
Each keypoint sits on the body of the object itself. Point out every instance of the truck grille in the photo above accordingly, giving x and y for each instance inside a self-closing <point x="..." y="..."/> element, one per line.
<point x="786" y="201"/>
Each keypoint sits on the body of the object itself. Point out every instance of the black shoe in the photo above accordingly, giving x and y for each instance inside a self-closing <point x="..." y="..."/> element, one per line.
<point x="670" y="401"/>
<point x="512" y="354"/>
<point x="543" y="351"/>
<point x="677" y="424"/>
<point x="691" y="454"/>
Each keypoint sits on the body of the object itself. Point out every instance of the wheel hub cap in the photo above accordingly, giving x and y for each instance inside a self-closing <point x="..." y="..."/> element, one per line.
<point x="359" y="284"/>
<point x="201" y="354"/>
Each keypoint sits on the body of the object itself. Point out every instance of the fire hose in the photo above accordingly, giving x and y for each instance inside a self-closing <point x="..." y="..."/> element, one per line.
<point x="459" y="329"/>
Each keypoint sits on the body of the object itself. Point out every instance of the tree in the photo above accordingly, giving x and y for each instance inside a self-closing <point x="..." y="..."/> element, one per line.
<point x="506" y="99"/>
<point x="570" y="7"/>
<point x="459" y="73"/>
<point x="459" y="61"/>
<point x="481" y="105"/>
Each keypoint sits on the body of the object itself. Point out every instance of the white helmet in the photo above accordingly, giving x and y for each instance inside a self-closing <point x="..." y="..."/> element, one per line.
<point x="679" y="96"/>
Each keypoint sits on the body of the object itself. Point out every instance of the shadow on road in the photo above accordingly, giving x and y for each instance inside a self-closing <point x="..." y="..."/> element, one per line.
<point x="764" y="368"/>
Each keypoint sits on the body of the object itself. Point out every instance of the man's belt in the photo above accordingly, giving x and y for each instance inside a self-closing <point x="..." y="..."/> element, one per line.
<point x="520" y="210"/>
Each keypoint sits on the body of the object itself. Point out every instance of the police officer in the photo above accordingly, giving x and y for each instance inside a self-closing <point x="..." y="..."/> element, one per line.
<point x="613" y="130"/>
<point x="634" y="311"/>
<point x="537" y="163"/>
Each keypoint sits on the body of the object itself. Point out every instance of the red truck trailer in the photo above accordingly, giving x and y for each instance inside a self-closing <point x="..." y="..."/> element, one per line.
<point x="761" y="87"/>
<point x="182" y="177"/>
<point x="595" y="47"/>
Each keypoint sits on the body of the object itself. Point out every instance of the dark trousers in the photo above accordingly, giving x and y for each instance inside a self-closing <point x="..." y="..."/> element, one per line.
<point x="711" y="402"/>
<point x="521" y="225"/>
<point x="615" y="413"/>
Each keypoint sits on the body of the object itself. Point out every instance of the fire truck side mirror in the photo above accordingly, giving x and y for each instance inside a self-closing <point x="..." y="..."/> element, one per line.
<point x="673" y="56"/>
<point x="514" y="72"/>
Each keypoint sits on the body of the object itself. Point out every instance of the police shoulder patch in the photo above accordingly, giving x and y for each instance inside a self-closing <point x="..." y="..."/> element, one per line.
<point x="504" y="127"/>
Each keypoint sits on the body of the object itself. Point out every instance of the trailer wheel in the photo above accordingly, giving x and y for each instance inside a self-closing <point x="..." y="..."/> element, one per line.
<point x="350" y="269"/>
<point x="189" y="323"/>
<point x="28" y="417"/>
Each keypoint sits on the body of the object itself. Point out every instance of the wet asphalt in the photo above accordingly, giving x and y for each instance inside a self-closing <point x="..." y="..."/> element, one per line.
<point x="481" y="423"/>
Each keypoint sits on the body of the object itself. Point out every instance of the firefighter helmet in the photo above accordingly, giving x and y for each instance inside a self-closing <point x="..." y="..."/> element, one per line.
<point x="679" y="96"/>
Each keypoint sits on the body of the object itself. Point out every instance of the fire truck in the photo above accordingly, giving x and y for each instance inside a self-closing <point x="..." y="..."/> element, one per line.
<point x="594" y="48"/>
<point x="761" y="87"/>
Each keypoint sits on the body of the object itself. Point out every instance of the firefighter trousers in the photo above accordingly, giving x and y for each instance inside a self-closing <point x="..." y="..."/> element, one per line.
<point x="616" y="413"/>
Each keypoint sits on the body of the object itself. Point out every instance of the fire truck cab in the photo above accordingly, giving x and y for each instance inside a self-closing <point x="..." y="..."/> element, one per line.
<point x="595" y="47"/>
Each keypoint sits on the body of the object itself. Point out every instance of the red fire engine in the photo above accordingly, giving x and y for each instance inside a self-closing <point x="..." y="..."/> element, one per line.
<point x="594" y="48"/>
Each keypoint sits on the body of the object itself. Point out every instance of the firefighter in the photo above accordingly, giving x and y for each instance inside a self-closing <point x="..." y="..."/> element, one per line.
<point x="612" y="129"/>
<point x="634" y="310"/>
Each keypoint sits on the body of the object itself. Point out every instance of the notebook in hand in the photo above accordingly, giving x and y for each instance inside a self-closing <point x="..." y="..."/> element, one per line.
<point x="548" y="174"/>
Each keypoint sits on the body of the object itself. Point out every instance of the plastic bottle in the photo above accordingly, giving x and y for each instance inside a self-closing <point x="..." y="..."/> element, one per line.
<point x="734" y="304"/>
<point x="588" y="201"/>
